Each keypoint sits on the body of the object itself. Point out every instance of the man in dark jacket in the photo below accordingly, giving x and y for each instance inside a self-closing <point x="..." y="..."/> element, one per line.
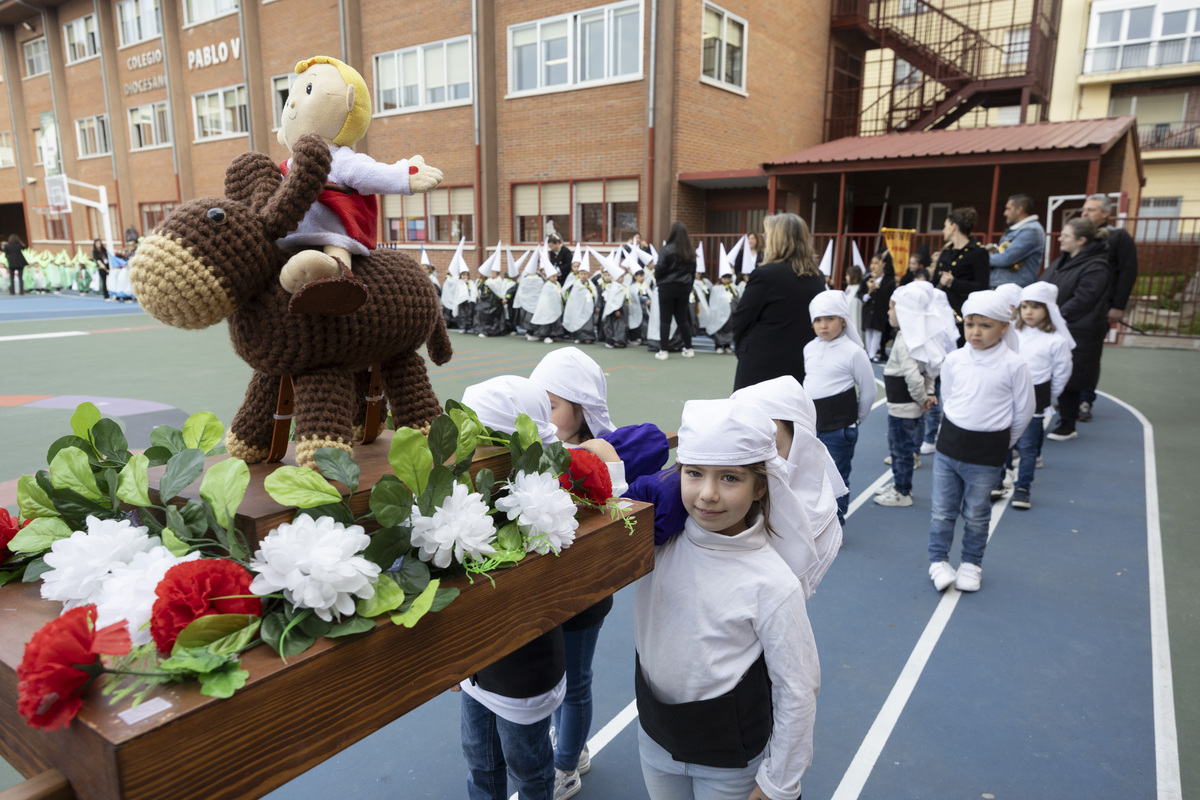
<point x="1123" y="269"/>
<point x="560" y="256"/>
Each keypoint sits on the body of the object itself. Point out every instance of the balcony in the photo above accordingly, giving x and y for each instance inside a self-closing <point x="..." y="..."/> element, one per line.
<point x="1171" y="52"/>
<point x="1168" y="135"/>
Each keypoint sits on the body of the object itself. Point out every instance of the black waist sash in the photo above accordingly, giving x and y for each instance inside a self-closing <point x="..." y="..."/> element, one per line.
<point x="724" y="732"/>
<point x="1041" y="395"/>
<point x="988" y="448"/>
<point x="837" y="411"/>
<point x="896" y="388"/>
<point x="528" y="671"/>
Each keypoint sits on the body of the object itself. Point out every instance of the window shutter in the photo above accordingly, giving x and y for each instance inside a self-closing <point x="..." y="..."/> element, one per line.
<point x="624" y="190"/>
<point x="462" y="201"/>
<point x="556" y="198"/>
<point x="589" y="192"/>
<point x="439" y="202"/>
<point x="525" y="200"/>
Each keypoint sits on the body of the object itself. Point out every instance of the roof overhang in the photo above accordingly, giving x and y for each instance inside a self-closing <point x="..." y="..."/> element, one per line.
<point x="726" y="179"/>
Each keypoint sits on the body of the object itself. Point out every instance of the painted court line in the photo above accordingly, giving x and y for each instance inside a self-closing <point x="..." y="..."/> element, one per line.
<point x="55" y="335"/>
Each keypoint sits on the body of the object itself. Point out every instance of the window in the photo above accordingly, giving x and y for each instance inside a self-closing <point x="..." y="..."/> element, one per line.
<point x="906" y="75"/>
<point x="937" y="216"/>
<point x="595" y="211"/>
<point x="149" y="126"/>
<point x="7" y="154"/>
<point x="81" y="38"/>
<point x="153" y="214"/>
<point x="138" y="20"/>
<point x="451" y="214"/>
<point x="37" y="57"/>
<point x="56" y="227"/>
<point x="200" y="10"/>
<point x="1016" y="47"/>
<point x="1161" y="225"/>
<point x="1127" y="33"/>
<point x="910" y="217"/>
<point x="96" y="225"/>
<point x="586" y="48"/>
<point x="92" y="134"/>
<point x="404" y="218"/>
<point x="221" y="113"/>
<point x="427" y="76"/>
<point x="1008" y="115"/>
<point x="281" y="86"/>
<point x="724" y="53"/>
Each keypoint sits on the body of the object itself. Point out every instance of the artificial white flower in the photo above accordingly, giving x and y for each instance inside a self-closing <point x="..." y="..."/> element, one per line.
<point x="83" y="561"/>
<point x="314" y="564"/>
<point x="460" y="527"/>
<point x="544" y="511"/>
<point x="128" y="592"/>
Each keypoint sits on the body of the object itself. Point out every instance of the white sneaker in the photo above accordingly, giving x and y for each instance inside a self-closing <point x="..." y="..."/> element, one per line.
<point x="585" y="761"/>
<point x="548" y="340"/>
<point x="969" y="577"/>
<point x="661" y="355"/>
<point x="887" y="487"/>
<point x="942" y="575"/>
<point x="566" y="784"/>
<point x="887" y="459"/>
<point x="529" y="337"/>
<point x="688" y="353"/>
<point x="483" y="336"/>
<point x="1039" y="464"/>
<point x="894" y="499"/>
<point x="928" y="448"/>
<point x="1009" y="476"/>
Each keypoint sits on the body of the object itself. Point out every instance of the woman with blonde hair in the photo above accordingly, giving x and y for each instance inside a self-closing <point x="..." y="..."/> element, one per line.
<point x="771" y="324"/>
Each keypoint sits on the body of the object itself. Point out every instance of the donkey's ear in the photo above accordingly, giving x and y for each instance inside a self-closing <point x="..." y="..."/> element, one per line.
<point x="305" y="180"/>
<point x="252" y="178"/>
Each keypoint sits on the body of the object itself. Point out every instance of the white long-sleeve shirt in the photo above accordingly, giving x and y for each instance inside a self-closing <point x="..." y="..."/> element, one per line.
<point x="987" y="390"/>
<point x="833" y="367"/>
<point x="1048" y="357"/>
<point x="710" y="608"/>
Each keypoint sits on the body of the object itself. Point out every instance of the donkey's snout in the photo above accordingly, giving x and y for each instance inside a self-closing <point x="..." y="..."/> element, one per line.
<point x="175" y="287"/>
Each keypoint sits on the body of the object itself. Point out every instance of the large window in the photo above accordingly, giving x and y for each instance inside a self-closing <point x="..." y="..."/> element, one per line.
<point x="200" y="10"/>
<point x="138" y="20"/>
<point x="37" y="57"/>
<point x="447" y="214"/>
<point x="149" y="126"/>
<point x="723" y="58"/>
<point x="427" y="76"/>
<point x="7" y="154"/>
<point x="56" y="227"/>
<point x="595" y="211"/>
<point x="221" y="113"/>
<point x="586" y="48"/>
<point x="153" y="214"/>
<point x="1016" y="47"/>
<point x="92" y="134"/>
<point x="81" y="38"/>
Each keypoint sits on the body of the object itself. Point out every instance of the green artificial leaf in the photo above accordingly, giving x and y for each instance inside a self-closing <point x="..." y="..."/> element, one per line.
<point x="133" y="482"/>
<point x="202" y="431"/>
<point x="71" y="470"/>
<point x="300" y="487"/>
<point x="86" y="415"/>
<point x="110" y="440"/>
<point x="485" y="482"/>
<point x="196" y="516"/>
<point x="169" y="438"/>
<point x="72" y="441"/>
<point x="529" y="460"/>
<point x="391" y="501"/>
<point x="222" y="684"/>
<point x="182" y="470"/>
<point x="203" y="631"/>
<point x="443" y="598"/>
<point x="441" y="486"/>
<point x="10" y="576"/>
<point x="273" y="630"/>
<point x="34" y="570"/>
<point x="224" y="486"/>
<point x="177" y="546"/>
<point x="351" y="626"/>
<point x="37" y="536"/>
<point x="413" y="576"/>
<point x="387" y="545"/>
<point x="388" y="597"/>
<point x="237" y="641"/>
<point x="419" y="608"/>
<point x="509" y="537"/>
<point x="158" y="455"/>
<point x="314" y="626"/>
<point x="469" y="430"/>
<point x="32" y="499"/>
<point x="337" y="465"/>
<point x="443" y="438"/>
<point x="527" y="430"/>
<point x="410" y="459"/>
<point x="192" y="661"/>
<point x="75" y="508"/>
<point x="555" y="459"/>
<point x="338" y="511"/>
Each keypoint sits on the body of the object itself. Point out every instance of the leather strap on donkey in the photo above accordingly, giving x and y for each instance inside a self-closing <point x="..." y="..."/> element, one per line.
<point x="285" y="412"/>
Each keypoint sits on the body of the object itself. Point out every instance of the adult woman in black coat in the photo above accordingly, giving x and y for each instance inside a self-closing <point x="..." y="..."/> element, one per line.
<point x="1081" y="274"/>
<point x="100" y="257"/>
<point x="771" y="324"/>
<point x="16" y="264"/>
<point x="962" y="265"/>
<point x="673" y="277"/>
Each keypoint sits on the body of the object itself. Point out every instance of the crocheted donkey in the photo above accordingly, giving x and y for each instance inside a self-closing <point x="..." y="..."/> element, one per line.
<point x="216" y="258"/>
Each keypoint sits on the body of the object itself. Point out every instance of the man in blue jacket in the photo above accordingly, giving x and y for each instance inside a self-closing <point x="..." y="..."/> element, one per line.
<point x="1018" y="258"/>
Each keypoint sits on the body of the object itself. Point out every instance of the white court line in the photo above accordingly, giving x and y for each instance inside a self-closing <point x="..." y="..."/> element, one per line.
<point x="56" y="335"/>
<point x="1166" y="736"/>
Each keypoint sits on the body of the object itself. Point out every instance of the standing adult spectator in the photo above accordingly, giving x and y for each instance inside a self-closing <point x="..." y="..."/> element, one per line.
<point x="771" y="324"/>
<point x="560" y="257"/>
<point x="962" y="265"/>
<point x="1018" y="257"/>
<point x="674" y="275"/>
<point x="16" y="264"/>
<point x="100" y="256"/>
<point x="1123" y="271"/>
<point x="1081" y="275"/>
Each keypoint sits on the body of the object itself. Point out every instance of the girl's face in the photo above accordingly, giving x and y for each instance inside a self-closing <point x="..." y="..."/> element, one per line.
<point x="983" y="333"/>
<point x="567" y="417"/>
<point x="876" y="267"/>
<point x="829" y="328"/>
<point x="892" y="319"/>
<point x="718" y="498"/>
<point x="726" y="279"/>
<point x="914" y="263"/>
<point x="752" y="240"/>
<point x="1033" y="313"/>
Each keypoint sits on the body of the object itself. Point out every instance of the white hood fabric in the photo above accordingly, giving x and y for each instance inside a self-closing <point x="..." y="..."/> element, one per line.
<point x="575" y="377"/>
<point x="498" y="401"/>
<point x="834" y="304"/>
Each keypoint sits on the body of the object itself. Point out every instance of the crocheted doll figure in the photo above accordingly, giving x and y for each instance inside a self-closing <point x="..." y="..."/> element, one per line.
<point x="332" y="100"/>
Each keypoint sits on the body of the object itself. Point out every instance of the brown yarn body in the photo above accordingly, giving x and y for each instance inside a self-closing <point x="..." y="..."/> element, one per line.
<point x="193" y="271"/>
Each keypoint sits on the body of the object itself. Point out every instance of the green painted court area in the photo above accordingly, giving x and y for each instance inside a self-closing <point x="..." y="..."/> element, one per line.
<point x="145" y="374"/>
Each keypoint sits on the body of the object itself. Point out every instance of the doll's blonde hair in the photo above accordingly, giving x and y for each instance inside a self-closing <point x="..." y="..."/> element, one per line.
<point x="355" y="126"/>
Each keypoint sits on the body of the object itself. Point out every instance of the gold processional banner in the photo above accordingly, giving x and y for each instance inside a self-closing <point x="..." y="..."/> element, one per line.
<point x="899" y="244"/>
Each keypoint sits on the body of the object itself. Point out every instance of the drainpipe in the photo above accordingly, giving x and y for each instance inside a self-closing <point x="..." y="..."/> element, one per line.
<point x="479" y="252"/>
<point x="650" y="133"/>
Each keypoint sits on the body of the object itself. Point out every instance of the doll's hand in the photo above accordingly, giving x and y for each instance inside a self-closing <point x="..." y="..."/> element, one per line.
<point x="421" y="176"/>
<point x="600" y="448"/>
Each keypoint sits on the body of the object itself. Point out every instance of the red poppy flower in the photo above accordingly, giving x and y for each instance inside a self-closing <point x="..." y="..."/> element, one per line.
<point x="196" y="589"/>
<point x="8" y="530"/>
<point x="588" y="478"/>
<point x="60" y="659"/>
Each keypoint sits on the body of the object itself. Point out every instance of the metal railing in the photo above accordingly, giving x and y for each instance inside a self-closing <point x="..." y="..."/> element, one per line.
<point x="1142" y="55"/>
<point x="1168" y="135"/>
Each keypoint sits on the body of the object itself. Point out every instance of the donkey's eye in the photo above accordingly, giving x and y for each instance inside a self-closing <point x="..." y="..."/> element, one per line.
<point x="217" y="216"/>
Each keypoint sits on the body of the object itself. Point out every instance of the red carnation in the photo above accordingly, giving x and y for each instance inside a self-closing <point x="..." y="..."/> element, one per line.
<point x="588" y="478"/>
<point x="8" y="530"/>
<point x="60" y="659"/>
<point x="196" y="589"/>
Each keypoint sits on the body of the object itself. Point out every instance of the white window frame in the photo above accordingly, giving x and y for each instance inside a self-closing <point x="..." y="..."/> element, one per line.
<point x="909" y="207"/>
<point x="210" y="10"/>
<point x="720" y="65"/>
<point x="422" y="103"/>
<point x="937" y="216"/>
<point x="100" y="129"/>
<point x="160" y="125"/>
<point x="572" y="20"/>
<point x="277" y="102"/>
<point x="8" y="154"/>
<point x="31" y="59"/>
<point x="220" y="94"/>
<point x="911" y="78"/>
<point x="79" y="43"/>
<point x="141" y="19"/>
<point x="1016" y="47"/>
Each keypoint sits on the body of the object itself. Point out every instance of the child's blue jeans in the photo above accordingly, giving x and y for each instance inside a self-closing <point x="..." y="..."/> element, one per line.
<point x="904" y="439"/>
<point x="573" y="719"/>
<point x="933" y="417"/>
<point x="494" y="747"/>
<point x="962" y="489"/>
<point x="840" y="444"/>
<point x="1029" y="446"/>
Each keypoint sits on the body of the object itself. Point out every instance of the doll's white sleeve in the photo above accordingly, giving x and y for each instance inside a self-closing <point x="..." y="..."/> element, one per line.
<point x="366" y="175"/>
